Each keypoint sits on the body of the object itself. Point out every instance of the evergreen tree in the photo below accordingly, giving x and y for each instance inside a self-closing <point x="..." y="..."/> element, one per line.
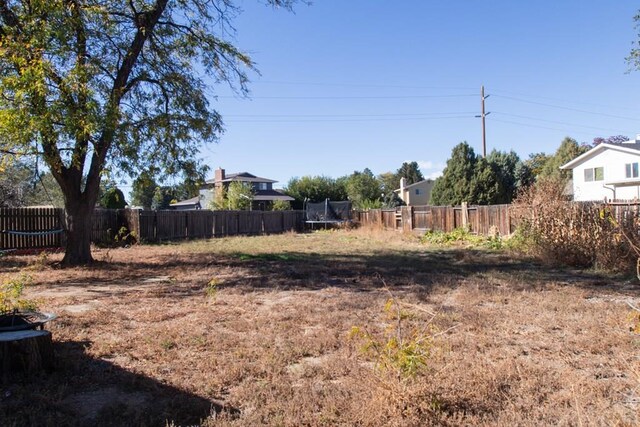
<point x="486" y="187"/>
<point x="410" y="171"/>
<point x="455" y="184"/>
<point x="113" y="198"/>
<point x="474" y="179"/>
<point x="505" y="166"/>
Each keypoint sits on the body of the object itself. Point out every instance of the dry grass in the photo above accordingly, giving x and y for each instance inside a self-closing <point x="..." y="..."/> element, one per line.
<point x="144" y="339"/>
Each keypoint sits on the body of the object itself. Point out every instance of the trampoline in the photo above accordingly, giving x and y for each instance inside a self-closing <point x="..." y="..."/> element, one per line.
<point x="327" y="212"/>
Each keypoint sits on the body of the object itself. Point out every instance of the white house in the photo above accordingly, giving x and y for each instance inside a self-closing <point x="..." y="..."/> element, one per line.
<point x="608" y="170"/>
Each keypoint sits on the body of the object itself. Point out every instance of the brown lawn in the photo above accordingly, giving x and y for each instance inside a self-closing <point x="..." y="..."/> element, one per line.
<point x="256" y="331"/>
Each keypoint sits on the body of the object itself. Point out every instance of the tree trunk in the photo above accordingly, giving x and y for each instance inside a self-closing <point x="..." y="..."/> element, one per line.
<point x="78" y="248"/>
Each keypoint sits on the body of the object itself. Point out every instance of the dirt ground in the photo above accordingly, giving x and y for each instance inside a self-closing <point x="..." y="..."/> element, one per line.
<point x="260" y="331"/>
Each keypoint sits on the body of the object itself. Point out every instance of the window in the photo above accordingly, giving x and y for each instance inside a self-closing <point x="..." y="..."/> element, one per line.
<point x="417" y="191"/>
<point x="594" y="174"/>
<point x="262" y="186"/>
<point x="631" y="170"/>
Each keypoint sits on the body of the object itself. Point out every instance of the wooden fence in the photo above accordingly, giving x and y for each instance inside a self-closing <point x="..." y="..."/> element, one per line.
<point x="479" y="219"/>
<point x="34" y="228"/>
<point x="26" y="228"/>
<point x="155" y="226"/>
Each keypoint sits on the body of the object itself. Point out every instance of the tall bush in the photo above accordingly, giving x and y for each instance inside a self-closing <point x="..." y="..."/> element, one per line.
<point x="576" y="233"/>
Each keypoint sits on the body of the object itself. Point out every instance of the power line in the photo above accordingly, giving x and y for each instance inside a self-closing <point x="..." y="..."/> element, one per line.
<point x="348" y="115"/>
<point x="541" y="127"/>
<point x="566" y="108"/>
<point x="497" y="93"/>
<point x="349" y="97"/>
<point x="348" y="120"/>
<point x="557" y="122"/>
<point x="362" y="85"/>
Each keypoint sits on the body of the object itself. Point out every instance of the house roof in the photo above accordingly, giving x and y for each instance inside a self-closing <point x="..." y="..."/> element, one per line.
<point x="265" y="195"/>
<point x="631" y="147"/>
<point x="415" y="184"/>
<point x="242" y="177"/>
<point x="189" y="202"/>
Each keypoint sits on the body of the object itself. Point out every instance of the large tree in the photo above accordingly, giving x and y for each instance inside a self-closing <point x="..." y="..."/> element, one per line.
<point x="454" y="186"/>
<point x="470" y="178"/>
<point x="410" y="171"/>
<point x="568" y="150"/>
<point x="315" y="189"/>
<point x="363" y="189"/>
<point x="110" y="84"/>
<point x="506" y="167"/>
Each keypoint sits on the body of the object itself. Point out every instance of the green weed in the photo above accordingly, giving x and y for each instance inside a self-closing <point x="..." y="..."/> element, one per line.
<point x="457" y="236"/>
<point x="402" y="349"/>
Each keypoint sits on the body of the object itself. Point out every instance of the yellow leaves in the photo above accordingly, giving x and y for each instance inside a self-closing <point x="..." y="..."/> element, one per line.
<point x="11" y="294"/>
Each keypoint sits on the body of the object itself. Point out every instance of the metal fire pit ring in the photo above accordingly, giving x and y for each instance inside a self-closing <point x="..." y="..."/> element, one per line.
<point x="24" y="320"/>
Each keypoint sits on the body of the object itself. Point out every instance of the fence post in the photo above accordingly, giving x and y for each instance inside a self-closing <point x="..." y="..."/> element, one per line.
<point x="465" y="215"/>
<point x="407" y="220"/>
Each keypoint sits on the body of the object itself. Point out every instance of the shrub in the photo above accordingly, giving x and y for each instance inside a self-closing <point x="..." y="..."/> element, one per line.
<point x="580" y="234"/>
<point x="11" y="294"/>
<point x="462" y="236"/>
<point x="281" y="205"/>
<point x="404" y="348"/>
<point x="367" y="204"/>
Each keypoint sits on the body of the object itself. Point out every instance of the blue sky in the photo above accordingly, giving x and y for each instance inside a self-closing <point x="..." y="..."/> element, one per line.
<point x="350" y="84"/>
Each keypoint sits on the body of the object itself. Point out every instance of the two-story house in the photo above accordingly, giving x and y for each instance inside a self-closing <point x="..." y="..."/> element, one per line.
<point x="607" y="171"/>
<point x="416" y="194"/>
<point x="264" y="197"/>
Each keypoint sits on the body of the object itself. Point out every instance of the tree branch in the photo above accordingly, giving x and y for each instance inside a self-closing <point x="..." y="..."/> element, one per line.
<point x="145" y="22"/>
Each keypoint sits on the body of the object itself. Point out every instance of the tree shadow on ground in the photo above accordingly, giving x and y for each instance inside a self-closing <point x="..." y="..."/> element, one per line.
<point x="85" y="391"/>
<point x="420" y="270"/>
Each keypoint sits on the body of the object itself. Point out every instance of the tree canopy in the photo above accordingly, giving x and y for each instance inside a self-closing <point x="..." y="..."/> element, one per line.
<point x="22" y="184"/>
<point x="410" y="171"/>
<point x="315" y="189"/>
<point x="364" y="189"/>
<point x="455" y="184"/>
<point x="476" y="180"/>
<point x="614" y="139"/>
<point x="113" y="198"/>
<point x="568" y="150"/>
<point x="104" y="84"/>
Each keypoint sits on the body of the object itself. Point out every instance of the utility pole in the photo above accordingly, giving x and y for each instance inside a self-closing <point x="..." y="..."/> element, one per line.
<point x="482" y="116"/>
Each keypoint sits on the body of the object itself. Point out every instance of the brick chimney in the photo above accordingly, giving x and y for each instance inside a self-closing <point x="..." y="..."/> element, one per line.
<point x="219" y="176"/>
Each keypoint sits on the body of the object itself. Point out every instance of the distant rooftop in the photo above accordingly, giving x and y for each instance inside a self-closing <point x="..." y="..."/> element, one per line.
<point x="242" y="177"/>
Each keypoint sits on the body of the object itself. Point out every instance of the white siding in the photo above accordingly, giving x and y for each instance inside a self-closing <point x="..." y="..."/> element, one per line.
<point x="613" y="162"/>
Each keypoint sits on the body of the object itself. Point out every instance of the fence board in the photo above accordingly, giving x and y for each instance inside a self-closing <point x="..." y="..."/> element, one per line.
<point x="105" y="224"/>
<point x="480" y="219"/>
<point x="30" y="220"/>
<point x="146" y="226"/>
